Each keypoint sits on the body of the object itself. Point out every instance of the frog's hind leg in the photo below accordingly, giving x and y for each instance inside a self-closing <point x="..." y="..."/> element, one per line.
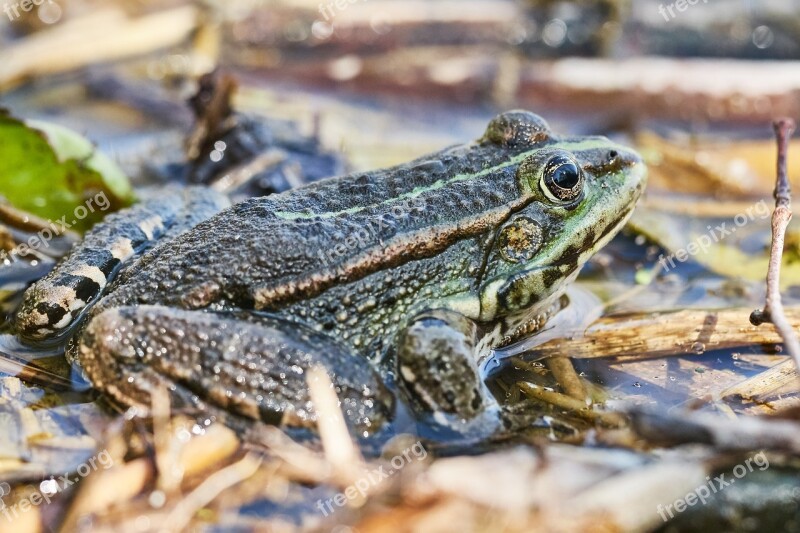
<point x="53" y="303"/>
<point x="249" y="365"/>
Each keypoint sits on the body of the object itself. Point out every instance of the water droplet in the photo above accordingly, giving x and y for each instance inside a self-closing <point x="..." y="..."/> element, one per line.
<point x="763" y="37"/>
<point x="48" y="486"/>
<point x="637" y="385"/>
<point x="157" y="499"/>
<point x="554" y="33"/>
<point x="321" y="30"/>
<point x="49" y="13"/>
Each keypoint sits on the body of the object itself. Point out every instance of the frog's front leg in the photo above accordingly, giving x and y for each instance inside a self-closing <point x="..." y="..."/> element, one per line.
<point x="248" y="364"/>
<point x="53" y="303"/>
<point x="438" y="367"/>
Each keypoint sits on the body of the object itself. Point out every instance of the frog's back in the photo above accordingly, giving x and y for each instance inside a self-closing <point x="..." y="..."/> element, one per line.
<point x="265" y="252"/>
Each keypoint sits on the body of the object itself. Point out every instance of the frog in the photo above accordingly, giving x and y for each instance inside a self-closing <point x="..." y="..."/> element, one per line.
<point x="399" y="283"/>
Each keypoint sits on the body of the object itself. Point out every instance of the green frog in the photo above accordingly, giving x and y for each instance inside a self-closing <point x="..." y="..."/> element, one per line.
<point x="398" y="282"/>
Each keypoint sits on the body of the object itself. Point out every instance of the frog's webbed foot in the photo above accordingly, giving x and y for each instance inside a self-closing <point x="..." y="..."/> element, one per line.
<point x="438" y="368"/>
<point x="53" y="304"/>
<point x="251" y="365"/>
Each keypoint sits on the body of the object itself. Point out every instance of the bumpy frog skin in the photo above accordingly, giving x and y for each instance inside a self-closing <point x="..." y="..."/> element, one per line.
<point x="398" y="281"/>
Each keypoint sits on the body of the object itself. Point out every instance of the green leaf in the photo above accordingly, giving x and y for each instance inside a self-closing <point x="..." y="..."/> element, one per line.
<point x="54" y="173"/>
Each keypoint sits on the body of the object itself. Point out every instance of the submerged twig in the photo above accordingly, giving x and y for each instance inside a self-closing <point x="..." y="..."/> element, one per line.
<point x="570" y="404"/>
<point x="566" y="376"/>
<point x="773" y="308"/>
<point x="764" y="383"/>
<point x="35" y="374"/>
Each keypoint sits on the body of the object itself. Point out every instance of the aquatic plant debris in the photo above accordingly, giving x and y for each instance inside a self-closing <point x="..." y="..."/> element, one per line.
<point x="52" y="172"/>
<point x="773" y="308"/>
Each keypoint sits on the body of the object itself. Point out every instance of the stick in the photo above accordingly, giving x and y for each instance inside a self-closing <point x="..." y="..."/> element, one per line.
<point x="773" y="308"/>
<point x="564" y="372"/>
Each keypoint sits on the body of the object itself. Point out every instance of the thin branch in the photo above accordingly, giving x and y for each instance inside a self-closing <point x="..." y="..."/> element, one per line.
<point x="773" y="308"/>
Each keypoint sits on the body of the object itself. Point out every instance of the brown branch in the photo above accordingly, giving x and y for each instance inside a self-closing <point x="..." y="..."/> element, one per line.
<point x="773" y="308"/>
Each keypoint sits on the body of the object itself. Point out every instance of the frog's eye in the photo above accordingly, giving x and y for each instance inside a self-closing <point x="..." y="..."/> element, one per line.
<point x="562" y="180"/>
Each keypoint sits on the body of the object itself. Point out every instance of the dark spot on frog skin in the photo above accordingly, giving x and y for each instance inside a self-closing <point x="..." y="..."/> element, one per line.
<point x="53" y="312"/>
<point x="517" y="129"/>
<point x="103" y="260"/>
<point x="85" y="288"/>
<point x="551" y="276"/>
<point x="516" y="293"/>
<point x="513" y="295"/>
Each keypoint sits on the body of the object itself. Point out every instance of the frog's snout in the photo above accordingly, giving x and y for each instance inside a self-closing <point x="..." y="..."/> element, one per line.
<point x="602" y="162"/>
<point x="625" y="157"/>
<point x="41" y="316"/>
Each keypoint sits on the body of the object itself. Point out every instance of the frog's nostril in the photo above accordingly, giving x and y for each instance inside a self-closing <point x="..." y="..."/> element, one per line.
<point x="612" y="154"/>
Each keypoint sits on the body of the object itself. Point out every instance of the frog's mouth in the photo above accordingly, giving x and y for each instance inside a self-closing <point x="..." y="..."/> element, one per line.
<point x="522" y="325"/>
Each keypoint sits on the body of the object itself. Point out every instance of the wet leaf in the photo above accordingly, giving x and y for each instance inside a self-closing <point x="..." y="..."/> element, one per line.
<point x="713" y="168"/>
<point x="53" y="172"/>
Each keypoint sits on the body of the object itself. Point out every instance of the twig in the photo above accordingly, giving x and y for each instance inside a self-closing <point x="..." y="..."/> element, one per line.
<point x="181" y="515"/>
<point x="578" y="407"/>
<point x="773" y="308"/>
<point x="640" y="336"/>
<point x="742" y="434"/>
<point x="340" y="450"/>
<point x="760" y="386"/>
<point x="566" y="376"/>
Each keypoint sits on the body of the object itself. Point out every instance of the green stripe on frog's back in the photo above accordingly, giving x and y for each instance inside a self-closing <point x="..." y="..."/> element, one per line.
<point x="506" y="141"/>
<point x="411" y="181"/>
<point x="440" y="209"/>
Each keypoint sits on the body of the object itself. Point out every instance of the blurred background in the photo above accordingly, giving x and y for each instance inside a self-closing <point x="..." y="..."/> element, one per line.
<point x="320" y="88"/>
<point x="384" y="80"/>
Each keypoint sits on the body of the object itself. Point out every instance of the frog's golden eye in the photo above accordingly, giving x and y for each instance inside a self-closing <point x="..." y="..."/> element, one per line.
<point x="519" y="240"/>
<point x="562" y="180"/>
